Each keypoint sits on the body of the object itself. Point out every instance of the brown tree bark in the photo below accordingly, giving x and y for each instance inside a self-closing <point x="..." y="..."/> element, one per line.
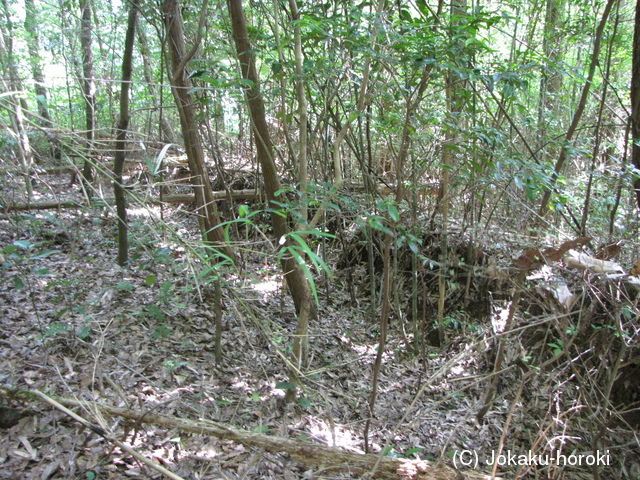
<point x="294" y="275"/>
<point x="635" y="104"/>
<point x="208" y="216"/>
<point x="123" y="124"/>
<point x="88" y="83"/>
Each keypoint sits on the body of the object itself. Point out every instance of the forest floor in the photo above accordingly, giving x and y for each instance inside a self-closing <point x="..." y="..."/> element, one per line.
<point x="74" y="325"/>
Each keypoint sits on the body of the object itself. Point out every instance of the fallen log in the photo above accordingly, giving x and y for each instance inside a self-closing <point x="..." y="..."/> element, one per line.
<point x="57" y="170"/>
<point x="235" y="195"/>
<point x="168" y="199"/>
<point x="14" y="207"/>
<point x="331" y="459"/>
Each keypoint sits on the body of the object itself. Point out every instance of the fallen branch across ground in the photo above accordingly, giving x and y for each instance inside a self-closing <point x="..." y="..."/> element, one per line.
<point x="235" y="195"/>
<point x="331" y="459"/>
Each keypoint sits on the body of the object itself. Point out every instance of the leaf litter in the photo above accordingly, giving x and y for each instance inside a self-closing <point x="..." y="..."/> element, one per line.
<point x="143" y="338"/>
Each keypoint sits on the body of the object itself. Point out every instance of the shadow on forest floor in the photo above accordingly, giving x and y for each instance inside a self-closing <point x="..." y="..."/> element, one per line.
<point x="76" y="326"/>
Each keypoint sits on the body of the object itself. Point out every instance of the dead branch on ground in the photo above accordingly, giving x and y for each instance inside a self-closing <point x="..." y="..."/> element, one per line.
<point x="330" y="459"/>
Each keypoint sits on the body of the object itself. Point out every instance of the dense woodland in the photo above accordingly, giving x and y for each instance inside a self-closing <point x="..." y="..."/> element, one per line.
<point x="324" y="240"/>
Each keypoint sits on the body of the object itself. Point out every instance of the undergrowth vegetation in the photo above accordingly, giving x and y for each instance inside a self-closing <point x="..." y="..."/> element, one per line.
<point x="319" y="240"/>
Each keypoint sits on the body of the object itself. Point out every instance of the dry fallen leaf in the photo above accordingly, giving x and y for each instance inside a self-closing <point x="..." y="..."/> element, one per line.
<point x="582" y="261"/>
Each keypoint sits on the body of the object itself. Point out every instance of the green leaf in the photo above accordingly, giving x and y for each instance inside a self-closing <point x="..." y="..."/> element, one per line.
<point x="255" y="397"/>
<point x="165" y="288"/>
<point x="393" y="213"/>
<point x="518" y="182"/>
<point x="55" y="328"/>
<point x="24" y="244"/>
<point x="285" y="386"/>
<point x="127" y="287"/>
<point x="530" y="193"/>
<point x="18" y="284"/>
<point x="150" y="280"/>
<point x="160" y="332"/>
<point x="376" y="222"/>
<point x="156" y="312"/>
<point x="557" y="349"/>
<point x="307" y="273"/>
<point x="84" y="332"/>
<point x="44" y="254"/>
<point x="303" y="245"/>
<point x="276" y="67"/>
<point x="243" y="211"/>
<point x="332" y="206"/>
<point x="172" y="365"/>
<point x="412" y="451"/>
<point x="304" y="402"/>
<point x="388" y="452"/>
<point x="9" y="249"/>
<point x="316" y="233"/>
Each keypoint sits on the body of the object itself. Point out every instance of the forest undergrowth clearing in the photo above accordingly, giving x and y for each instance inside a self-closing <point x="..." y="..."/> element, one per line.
<point x="77" y="326"/>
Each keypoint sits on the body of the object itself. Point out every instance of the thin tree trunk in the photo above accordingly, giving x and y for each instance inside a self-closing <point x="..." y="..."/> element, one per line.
<point x="362" y="100"/>
<point x="454" y="105"/>
<point x="88" y="84"/>
<point x="600" y="130"/>
<point x="549" y="105"/>
<point x="123" y="124"/>
<point x="67" y="51"/>
<point x="542" y="211"/>
<point x="303" y="175"/>
<point x="635" y="103"/>
<point x="551" y="80"/>
<point x="10" y="59"/>
<point x="413" y="102"/>
<point x="166" y="132"/>
<point x="33" y="46"/>
<point x="180" y="86"/>
<point x="295" y="278"/>
<point x="17" y="105"/>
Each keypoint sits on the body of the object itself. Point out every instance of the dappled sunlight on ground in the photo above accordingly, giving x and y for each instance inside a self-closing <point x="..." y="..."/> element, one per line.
<point x="334" y="435"/>
<point x="268" y="286"/>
